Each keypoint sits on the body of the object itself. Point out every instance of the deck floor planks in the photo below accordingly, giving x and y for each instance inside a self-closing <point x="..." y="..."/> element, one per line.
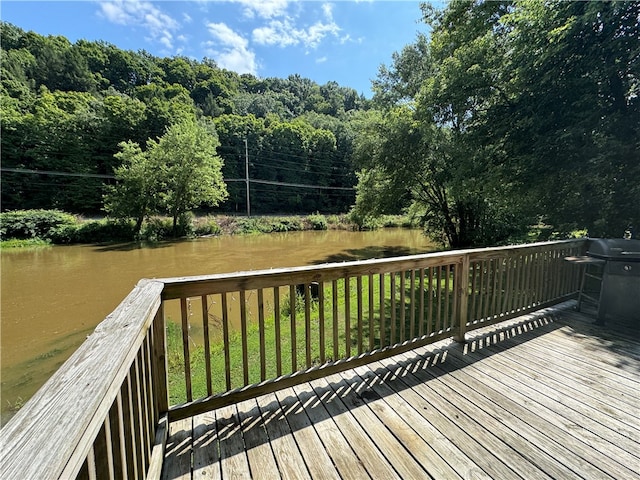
<point x="262" y="462"/>
<point x="344" y="458"/>
<point x="541" y="375"/>
<point x="288" y="457"/>
<point x="534" y="422"/>
<point x="546" y="395"/>
<point x="596" y="367"/>
<point x="402" y="427"/>
<point x="178" y="452"/>
<point x="234" y="462"/>
<point x="490" y="412"/>
<point x="206" y="451"/>
<point x="319" y="464"/>
<point x="367" y="451"/>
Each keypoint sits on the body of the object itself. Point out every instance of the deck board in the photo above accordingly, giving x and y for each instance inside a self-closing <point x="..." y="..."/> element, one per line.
<point x="548" y="395"/>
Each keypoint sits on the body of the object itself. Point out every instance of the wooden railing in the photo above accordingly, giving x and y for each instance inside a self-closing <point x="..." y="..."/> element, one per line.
<point x="105" y="412"/>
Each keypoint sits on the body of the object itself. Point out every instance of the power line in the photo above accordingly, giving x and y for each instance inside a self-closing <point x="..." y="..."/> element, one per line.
<point x="60" y="174"/>
<point x="97" y="175"/>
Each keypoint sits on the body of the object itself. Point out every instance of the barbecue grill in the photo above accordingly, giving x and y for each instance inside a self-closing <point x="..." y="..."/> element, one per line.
<point x="620" y="287"/>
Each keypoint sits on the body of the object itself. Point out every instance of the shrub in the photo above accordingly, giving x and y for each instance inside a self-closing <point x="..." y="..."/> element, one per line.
<point x="156" y="229"/>
<point x="207" y="226"/>
<point x="318" y="222"/>
<point x="24" y="224"/>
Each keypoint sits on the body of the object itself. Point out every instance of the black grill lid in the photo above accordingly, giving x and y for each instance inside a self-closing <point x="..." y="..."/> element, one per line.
<point x="615" y="249"/>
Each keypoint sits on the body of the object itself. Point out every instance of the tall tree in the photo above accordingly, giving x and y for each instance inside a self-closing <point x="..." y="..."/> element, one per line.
<point x="178" y="172"/>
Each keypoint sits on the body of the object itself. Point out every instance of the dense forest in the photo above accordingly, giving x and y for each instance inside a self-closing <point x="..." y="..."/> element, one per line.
<point x="67" y="106"/>
<point x="508" y="114"/>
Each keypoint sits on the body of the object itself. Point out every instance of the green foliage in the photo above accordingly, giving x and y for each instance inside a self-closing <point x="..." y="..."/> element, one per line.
<point x="95" y="231"/>
<point x="318" y="222"/>
<point x="206" y="227"/>
<point x="15" y="244"/>
<point x="510" y="113"/>
<point x="69" y="107"/>
<point x="179" y="172"/>
<point x="26" y="224"/>
<point x="250" y="226"/>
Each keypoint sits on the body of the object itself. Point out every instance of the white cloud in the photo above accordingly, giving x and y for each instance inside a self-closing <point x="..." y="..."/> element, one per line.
<point x="321" y="60"/>
<point x="284" y="34"/>
<point x="142" y="14"/>
<point x="230" y="50"/>
<point x="264" y="8"/>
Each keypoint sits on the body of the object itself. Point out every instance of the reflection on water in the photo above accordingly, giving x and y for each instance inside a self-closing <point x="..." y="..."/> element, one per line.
<point x="53" y="298"/>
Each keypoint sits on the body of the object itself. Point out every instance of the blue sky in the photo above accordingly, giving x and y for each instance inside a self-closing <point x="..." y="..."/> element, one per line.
<point x="342" y="41"/>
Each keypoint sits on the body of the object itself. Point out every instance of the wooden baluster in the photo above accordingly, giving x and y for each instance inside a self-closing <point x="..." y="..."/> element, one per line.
<point x="307" y="322"/>
<point x="278" y="333"/>
<point x="243" y="329"/>
<point x="347" y="316"/>
<point x="372" y="337"/>
<point x="359" y="315"/>
<point x="412" y="304"/>
<point x="321" y="322"/>
<point x="334" y="302"/>
<point x="261" y="328"/>
<point x="430" y="306"/>
<point x="421" y="318"/>
<point x="392" y="288"/>
<point x="292" y="313"/>
<point x="185" y="347"/>
<point x="207" y="347"/>
<point x="225" y="340"/>
<point x="383" y="316"/>
<point x="447" y="280"/>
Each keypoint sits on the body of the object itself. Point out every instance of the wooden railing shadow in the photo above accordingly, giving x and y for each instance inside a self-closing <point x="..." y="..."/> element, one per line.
<point x="352" y="391"/>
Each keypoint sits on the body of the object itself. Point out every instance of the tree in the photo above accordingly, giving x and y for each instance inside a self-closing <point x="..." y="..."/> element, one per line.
<point x="190" y="169"/>
<point x="136" y="195"/>
<point x="175" y="174"/>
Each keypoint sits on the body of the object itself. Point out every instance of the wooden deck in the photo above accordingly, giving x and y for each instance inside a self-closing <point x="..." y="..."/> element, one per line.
<point x="548" y="395"/>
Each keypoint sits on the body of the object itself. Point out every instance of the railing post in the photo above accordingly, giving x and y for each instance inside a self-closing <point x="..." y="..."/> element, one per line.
<point x="462" y="281"/>
<point x="159" y="364"/>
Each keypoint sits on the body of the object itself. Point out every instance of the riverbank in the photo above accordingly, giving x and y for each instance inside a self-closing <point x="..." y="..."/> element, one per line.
<point x="40" y="228"/>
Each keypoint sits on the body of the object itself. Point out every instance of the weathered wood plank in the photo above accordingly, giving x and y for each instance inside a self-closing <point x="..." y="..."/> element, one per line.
<point x="317" y="459"/>
<point x="351" y="392"/>
<point x="206" y="448"/>
<point x="529" y="412"/>
<point x="367" y="452"/>
<point x="178" y="451"/>
<point x="290" y="461"/>
<point x="397" y="417"/>
<point x="337" y="447"/>
<point x="262" y="462"/>
<point x="233" y="457"/>
<point x="523" y="429"/>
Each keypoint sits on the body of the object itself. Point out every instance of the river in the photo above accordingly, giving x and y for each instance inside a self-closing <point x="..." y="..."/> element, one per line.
<point x="52" y="298"/>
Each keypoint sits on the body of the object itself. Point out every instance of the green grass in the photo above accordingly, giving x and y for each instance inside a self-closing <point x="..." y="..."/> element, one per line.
<point x="29" y="243"/>
<point x="197" y="357"/>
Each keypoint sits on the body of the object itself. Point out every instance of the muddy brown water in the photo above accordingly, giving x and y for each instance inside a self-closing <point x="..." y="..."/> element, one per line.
<point x="52" y="298"/>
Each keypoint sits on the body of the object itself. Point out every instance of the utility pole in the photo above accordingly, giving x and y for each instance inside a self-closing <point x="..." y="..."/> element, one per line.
<point x="246" y="175"/>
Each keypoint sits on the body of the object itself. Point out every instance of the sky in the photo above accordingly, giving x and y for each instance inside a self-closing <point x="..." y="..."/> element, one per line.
<point x="342" y="41"/>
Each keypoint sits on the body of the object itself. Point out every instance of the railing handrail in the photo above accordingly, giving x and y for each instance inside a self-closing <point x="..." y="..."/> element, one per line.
<point x="53" y="435"/>
<point x="50" y="436"/>
<point x="179" y="287"/>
